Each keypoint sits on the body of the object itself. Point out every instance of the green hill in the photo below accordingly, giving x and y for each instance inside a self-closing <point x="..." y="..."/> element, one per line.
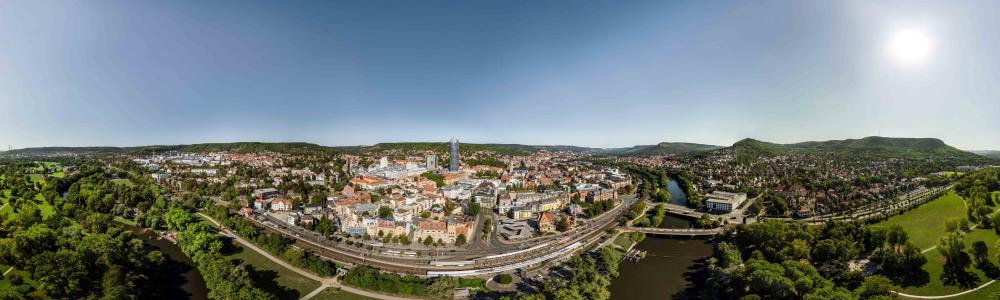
<point x="207" y="147"/>
<point x="665" y="148"/>
<point x="873" y="146"/>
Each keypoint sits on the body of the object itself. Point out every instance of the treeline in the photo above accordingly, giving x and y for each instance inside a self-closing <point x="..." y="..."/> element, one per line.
<point x="409" y="285"/>
<point x="686" y="181"/>
<point x="778" y="260"/>
<point x="979" y="184"/>
<point x="653" y="218"/>
<point x="589" y="276"/>
<point x="371" y="279"/>
<point x="655" y="183"/>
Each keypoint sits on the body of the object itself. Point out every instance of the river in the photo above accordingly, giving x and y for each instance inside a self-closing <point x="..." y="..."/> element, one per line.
<point x="670" y="268"/>
<point x="180" y="278"/>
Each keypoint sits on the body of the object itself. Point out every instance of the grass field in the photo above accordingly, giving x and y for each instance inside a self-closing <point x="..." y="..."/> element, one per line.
<point x="299" y="285"/>
<point x="935" y="266"/>
<point x="925" y="227"/>
<point x="925" y="224"/>
<point x="623" y="240"/>
<point x="334" y="294"/>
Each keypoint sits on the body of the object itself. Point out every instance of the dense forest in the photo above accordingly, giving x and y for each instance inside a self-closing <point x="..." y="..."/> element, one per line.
<point x="82" y="246"/>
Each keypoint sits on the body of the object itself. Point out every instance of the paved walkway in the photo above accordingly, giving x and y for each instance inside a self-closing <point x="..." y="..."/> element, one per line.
<point x="324" y="282"/>
<point x="945" y="296"/>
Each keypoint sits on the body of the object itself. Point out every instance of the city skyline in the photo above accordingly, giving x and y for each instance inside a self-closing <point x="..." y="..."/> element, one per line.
<point x="596" y="74"/>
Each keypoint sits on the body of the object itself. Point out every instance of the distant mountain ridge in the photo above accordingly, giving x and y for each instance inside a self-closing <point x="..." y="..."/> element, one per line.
<point x="664" y="148"/>
<point x="294" y="147"/>
<point x="874" y="146"/>
<point x="988" y="153"/>
<point x="511" y="149"/>
<point x="911" y="148"/>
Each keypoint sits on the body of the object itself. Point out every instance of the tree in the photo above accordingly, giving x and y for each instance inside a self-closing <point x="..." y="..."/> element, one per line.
<point x="428" y="241"/>
<point x="460" y="240"/>
<point x="980" y="251"/>
<point x="952" y="247"/>
<point x="34" y="240"/>
<point x="472" y="209"/>
<point x="384" y="212"/>
<point x="504" y="279"/>
<point x="61" y="274"/>
<point x="449" y="206"/>
<point x="799" y="249"/>
<point x="564" y="225"/>
<point x="875" y="287"/>
<point x="178" y="218"/>
<point x="956" y="224"/>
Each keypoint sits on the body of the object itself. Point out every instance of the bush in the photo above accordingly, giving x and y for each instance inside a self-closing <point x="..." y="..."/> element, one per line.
<point x="504" y="279"/>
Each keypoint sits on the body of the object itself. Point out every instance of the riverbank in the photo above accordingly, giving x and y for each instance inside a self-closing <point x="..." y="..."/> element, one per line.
<point x="671" y="267"/>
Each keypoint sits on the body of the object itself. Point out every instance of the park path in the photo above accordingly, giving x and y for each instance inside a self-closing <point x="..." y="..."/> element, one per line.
<point x="945" y="296"/>
<point x="324" y="282"/>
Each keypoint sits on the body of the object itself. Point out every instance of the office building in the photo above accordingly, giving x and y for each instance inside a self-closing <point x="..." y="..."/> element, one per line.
<point x="454" y="156"/>
<point x="432" y="162"/>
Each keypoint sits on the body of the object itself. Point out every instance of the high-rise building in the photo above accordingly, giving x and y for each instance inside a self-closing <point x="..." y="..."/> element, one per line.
<point x="454" y="156"/>
<point x="383" y="162"/>
<point x="432" y="162"/>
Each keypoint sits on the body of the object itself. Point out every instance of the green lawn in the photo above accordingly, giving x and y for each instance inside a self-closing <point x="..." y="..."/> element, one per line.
<point x="334" y="294"/>
<point x="36" y="177"/>
<point x="935" y="266"/>
<point x="925" y="227"/>
<point x="623" y="240"/>
<point x="123" y="181"/>
<point x="46" y="208"/>
<point x="991" y="291"/>
<point x="925" y="224"/>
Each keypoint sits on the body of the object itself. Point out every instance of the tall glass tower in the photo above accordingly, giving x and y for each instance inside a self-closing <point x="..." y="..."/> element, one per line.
<point x="454" y="155"/>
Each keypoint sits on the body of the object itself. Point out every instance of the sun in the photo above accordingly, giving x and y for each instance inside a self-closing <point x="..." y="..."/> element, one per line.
<point x="910" y="47"/>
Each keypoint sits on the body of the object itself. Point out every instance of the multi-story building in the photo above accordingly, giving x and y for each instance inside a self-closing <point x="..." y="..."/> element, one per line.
<point x="454" y="162"/>
<point x="724" y="201"/>
<point x="432" y="162"/>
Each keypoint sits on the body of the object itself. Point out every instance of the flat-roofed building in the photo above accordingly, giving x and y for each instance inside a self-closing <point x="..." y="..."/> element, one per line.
<point x="724" y="201"/>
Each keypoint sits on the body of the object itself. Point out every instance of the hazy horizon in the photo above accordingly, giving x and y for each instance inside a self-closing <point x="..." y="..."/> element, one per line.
<point x="481" y="142"/>
<point x="601" y="74"/>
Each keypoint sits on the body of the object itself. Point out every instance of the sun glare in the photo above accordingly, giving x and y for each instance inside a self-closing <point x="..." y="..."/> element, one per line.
<point x="910" y="47"/>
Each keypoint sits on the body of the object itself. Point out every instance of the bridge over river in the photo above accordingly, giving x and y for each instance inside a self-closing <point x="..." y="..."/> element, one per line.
<point x="672" y="231"/>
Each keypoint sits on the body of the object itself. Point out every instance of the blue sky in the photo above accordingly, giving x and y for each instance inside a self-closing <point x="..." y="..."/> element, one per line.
<point x="591" y="73"/>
